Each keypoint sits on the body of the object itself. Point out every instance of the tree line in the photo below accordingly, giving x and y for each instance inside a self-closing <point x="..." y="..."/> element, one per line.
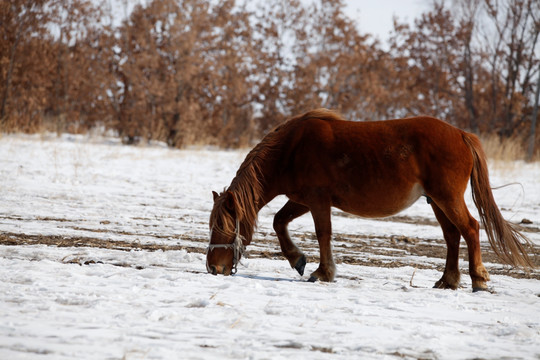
<point x="224" y="72"/>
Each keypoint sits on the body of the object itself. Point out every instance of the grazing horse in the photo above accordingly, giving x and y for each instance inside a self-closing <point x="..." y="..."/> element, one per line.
<point x="370" y="169"/>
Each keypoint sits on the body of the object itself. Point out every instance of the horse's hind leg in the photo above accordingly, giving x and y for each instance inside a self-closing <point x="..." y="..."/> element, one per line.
<point x="459" y="215"/>
<point x="288" y="213"/>
<point x="450" y="278"/>
<point x="323" y="227"/>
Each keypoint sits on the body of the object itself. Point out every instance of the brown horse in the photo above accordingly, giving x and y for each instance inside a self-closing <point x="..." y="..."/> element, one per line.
<point x="370" y="169"/>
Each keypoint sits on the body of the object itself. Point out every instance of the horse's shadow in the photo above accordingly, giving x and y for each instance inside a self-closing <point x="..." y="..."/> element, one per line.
<point x="269" y="278"/>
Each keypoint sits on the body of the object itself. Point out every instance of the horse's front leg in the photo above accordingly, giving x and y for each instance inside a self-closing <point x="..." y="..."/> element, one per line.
<point x="323" y="228"/>
<point x="288" y="213"/>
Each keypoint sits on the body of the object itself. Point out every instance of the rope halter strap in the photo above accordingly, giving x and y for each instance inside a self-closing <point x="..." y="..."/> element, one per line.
<point x="237" y="246"/>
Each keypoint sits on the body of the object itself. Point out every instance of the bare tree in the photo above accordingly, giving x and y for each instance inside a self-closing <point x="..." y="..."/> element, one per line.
<point x="513" y="57"/>
<point x="21" y="21"/>
<point x="534" y="118"/>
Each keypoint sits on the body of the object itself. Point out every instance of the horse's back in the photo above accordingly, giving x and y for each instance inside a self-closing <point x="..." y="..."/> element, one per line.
<point x="389" y="142"/>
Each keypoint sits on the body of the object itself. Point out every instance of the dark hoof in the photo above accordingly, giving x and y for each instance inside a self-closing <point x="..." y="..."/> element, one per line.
<point x="442" y="284"/>
<point x="312" y="279"/>
<point x="444" y="287"/>
<point x="300" y="265"/>
<point x="478" y="289"/>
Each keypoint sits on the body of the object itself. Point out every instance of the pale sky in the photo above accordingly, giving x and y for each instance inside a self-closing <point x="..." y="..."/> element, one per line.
<point x="376" y="16"/>
<point x="373" y="16"/>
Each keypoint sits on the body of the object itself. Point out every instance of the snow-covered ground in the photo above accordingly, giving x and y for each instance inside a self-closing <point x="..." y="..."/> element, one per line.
<point x="101" y="257"/>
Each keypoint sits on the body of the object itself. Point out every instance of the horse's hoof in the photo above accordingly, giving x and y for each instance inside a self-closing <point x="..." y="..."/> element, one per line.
<point x="478" y="289"/>
<point x="312" y="279"/>
<point x="442" y="284"/>
<point x="301" y="264"/>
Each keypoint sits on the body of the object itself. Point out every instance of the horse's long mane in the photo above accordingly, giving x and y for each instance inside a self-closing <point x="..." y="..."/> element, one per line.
<point x="248" y="185"/>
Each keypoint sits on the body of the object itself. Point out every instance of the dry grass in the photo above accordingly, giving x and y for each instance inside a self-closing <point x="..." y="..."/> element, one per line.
<point x="506" y="150"/>
<point x="506" y="154"/>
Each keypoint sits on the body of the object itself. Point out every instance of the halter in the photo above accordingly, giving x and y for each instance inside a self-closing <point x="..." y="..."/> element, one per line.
<point x="237" y="246"/>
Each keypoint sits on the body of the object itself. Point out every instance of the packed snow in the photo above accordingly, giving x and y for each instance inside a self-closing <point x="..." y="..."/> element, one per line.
<point x="102" y="257"/>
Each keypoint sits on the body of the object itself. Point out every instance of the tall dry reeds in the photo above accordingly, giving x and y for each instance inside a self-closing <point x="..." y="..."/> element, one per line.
<point x="505" y="149"/>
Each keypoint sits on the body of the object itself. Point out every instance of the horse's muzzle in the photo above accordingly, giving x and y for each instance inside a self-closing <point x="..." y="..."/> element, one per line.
<point x="215" y="270"/>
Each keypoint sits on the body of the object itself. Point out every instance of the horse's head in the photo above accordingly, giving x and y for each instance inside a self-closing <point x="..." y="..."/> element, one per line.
<point x="227" y="244"/>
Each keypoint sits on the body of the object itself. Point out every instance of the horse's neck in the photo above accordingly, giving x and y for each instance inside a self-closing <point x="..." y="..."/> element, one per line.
<point x="252" y="195"/>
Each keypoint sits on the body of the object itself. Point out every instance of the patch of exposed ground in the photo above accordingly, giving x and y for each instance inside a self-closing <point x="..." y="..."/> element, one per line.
<point x="379" y="251"/>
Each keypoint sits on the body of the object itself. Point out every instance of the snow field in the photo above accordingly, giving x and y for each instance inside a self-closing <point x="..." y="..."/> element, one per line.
<point x="70" y="301"/>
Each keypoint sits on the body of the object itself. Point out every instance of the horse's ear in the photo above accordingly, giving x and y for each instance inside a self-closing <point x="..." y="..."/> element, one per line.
<point x="216" y="195"/>
<point x="229" y="202"/>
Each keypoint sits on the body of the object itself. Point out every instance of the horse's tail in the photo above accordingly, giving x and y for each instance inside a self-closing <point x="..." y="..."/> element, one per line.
<point x="505" y="240"/>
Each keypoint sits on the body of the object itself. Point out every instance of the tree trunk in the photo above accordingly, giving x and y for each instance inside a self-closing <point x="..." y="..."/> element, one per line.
<point x="5" y="96"/>
<point x="532" y="138"/>
<point x="469" y="89"/>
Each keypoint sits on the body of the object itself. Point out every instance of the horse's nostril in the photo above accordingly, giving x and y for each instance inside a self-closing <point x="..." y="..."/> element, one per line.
<point x="213" y="270"/>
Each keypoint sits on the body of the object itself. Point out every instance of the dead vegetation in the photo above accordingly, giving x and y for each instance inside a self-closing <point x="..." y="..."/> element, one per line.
<point x="199" y="72"/>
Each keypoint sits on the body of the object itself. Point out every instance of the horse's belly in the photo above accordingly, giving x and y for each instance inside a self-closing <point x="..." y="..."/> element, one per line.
<point x="378" y="205"/>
